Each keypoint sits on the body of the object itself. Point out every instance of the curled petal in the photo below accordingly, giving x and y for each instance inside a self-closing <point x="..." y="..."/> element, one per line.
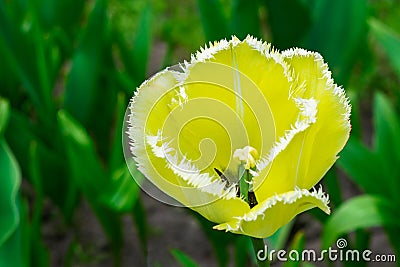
<point x="327" y="137"/>
<point x="302" y="156"/>
<point x="267" y="217"/>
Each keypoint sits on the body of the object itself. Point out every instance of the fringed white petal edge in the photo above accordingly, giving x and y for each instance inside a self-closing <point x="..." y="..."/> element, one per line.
<point x="187" y="171"/>
<point x="306" y="117"/>
<point x="338" y="91"/>
<point x="270" y="52"/>
<point x="207" y="52"/>
<point x="285" y="198"/>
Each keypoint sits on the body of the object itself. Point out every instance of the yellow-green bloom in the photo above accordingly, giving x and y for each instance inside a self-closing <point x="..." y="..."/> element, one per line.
<point x="241" y="109"/>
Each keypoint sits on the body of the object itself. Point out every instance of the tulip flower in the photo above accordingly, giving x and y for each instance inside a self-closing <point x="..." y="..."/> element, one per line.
<point x="241" y="133"/>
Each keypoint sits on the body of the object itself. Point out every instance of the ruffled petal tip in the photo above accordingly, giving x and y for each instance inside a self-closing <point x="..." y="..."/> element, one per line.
<point x="267" y="217"/>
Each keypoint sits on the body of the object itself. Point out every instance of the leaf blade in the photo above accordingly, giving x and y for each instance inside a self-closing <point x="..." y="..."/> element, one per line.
<point x="389" y="40"/>
<point x="10" y="182"/>
<point x="82" y="82"/>
<point x="361" y="165"/>
<point x="4" y="114"/>
<point x="245" y="19"/>
<point x="359" y="212"/>
<point x="89" y="175"/>
<point x="215" y="24"/>
<point x="183" y="259"/>
<point x="297" y="22"/>
<point x="340" y="41"/>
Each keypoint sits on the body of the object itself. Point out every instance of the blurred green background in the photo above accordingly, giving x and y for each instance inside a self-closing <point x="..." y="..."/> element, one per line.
<point x="68" y="69"/>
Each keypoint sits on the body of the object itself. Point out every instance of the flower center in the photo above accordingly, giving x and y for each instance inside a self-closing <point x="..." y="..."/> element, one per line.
<point x="247" y="155"/>
<point x="246" y="171"/>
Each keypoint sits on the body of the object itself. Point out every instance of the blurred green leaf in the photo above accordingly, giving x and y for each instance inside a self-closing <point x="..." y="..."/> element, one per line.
<point x="362" y="240"/>
<point x="37" y="183"/>
<point x="116" y="157"/>
<point x="243" y="249"/>
<point x="14" y="230"/>
<point x="387" y="141"/>
<point x="124" y="79"/>
<point x="183" y="259"/>
<point x="213" y="19"/>
<point x="101" y="122"/>
<point x="9" y="77"/>
<point x="333" y="187"/>
<point x="297" y="244"/>
<point x="21" y="124"/>
<point x="289" y="21"/>
<point x="245" y="18"/>
<point x="389" y="40"/>
<point x="361" y="164"/>
<point x="392" y="233"/>
<point x="135" y="52"/>
<point x="39" y="253"/>
<point x="111" y="223"/>
<point x="359" y="212"/>
<point x="83" y="79"/>
<point x="62" y="190"/>
<point x="142" y="44"/>
<point x="15" y="251"/>
<point x="86" y="167"/>
<point x="123" y="192"/>
<point x="26" y="50"/>
<point x="4" y="115"/>
<point x="10" y="182"/>
<point x="62" y="13"/>
<point x="16" y="47"/>
<point x="20" y="134"/>
<point x="140" y="218"/>
<point x="279" y="239"/>
<point x="45" y="85"/>
<point x="366" y="167"/>
<point x="89" y="174"/>
<point x="338" y="32"/>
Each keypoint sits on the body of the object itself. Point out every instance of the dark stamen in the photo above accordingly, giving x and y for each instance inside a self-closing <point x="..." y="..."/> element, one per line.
<point x="252" y="199"/>
<point x="220" y="174"/>
<point x="237" y="190"/>
<point x="223" y="177"/>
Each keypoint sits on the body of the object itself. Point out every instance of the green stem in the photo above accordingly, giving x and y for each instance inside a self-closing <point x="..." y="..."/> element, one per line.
<point x="243" y="183"/>
<point x="258" y="244"/>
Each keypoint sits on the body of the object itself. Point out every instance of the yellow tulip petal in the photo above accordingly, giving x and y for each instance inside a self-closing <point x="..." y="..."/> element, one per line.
<point x="311" y="151"/>
<point x="150" y="106"/>
<point x="267" y="217"/>
<point x="218" y="206"/>
<point x="227" y="64"/>
<point x="158" y="161"/>
<point x="267" y="69"/>
<point x="281" y="175"/>
<point x="327" y="137"/>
